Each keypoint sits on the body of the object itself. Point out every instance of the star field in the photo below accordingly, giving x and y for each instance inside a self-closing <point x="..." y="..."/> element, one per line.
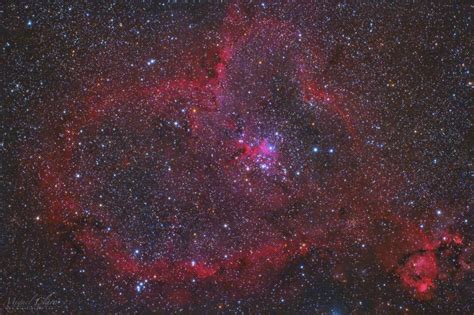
<point x="236" y="157"/>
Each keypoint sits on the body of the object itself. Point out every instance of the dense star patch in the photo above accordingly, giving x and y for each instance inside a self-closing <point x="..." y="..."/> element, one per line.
<point x="238" y="156"/>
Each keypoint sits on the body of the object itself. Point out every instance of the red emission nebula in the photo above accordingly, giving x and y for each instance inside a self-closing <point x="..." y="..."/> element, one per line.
<point x="231" y="175"/>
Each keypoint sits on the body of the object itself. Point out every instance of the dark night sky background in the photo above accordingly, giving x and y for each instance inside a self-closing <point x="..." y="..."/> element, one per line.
<point x="311" y="157"/>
